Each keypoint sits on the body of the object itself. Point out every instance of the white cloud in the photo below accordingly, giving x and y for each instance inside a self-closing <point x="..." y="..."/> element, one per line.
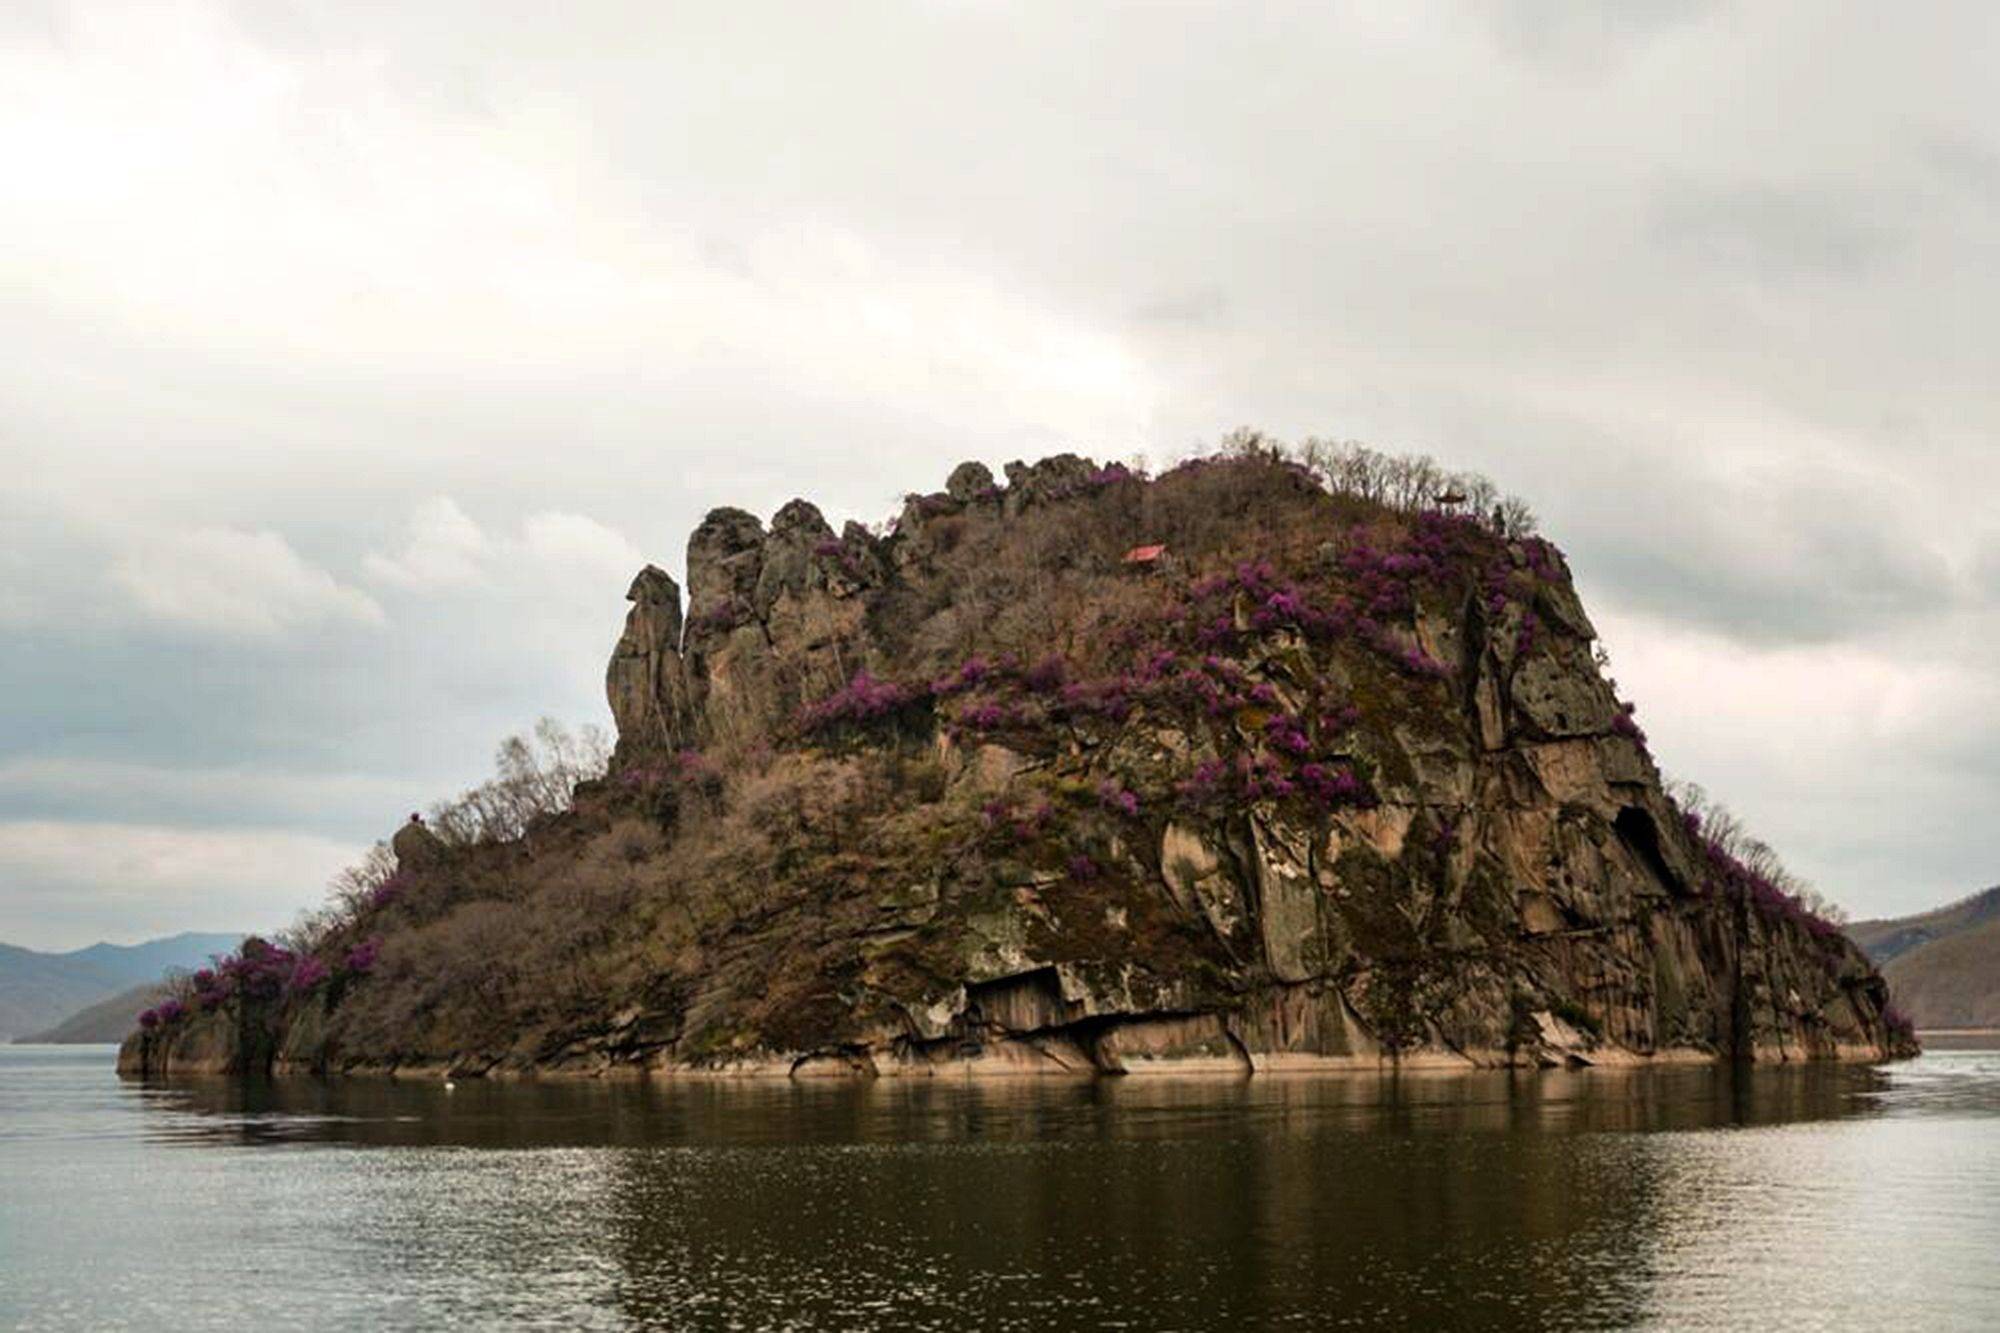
<point x="72" y="882"/>
<point x="445" y="549"/>
<point x="69" y="787"/>
<point x="1731" y="336"/>
<point x="1797" y="701"/>
<point x="1858" y="763"/>
<point x="178" y="181"/>
<point x="574" y="539"/>
<point x="245" y="584"/>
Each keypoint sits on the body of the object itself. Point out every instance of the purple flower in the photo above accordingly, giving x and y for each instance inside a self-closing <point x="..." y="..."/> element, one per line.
<point x="1331" y="787"/>
<point x="1045" y="676"/>
<point x="986" y="716"/>
<point x="306" y="974"/>
<point x="970" y="673"/>
<point x="1420" y="663"/>
<point x="1287" y="734"/>
<point x="1286" y="604"/>
<point x="726" y="614"/>
<point x="258" y="970"/>
<point x="1118" y="798"/>
<point x="361" y="958"/>
<point x="1541" y="558"/>
<point x="862" y="700"/>
<point x="391" y="888"/>
<point x="1524" y="638"/>
<point x="210" y="989"/>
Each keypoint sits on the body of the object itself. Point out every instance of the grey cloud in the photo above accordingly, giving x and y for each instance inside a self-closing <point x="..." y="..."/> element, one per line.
<point x="284" y="27"/>
<point x="357" y="806"/>
<point x="1586" y="36"/>
<point x="1986" y="573"/>
<point x="1966" y="163"/>
<point x="1775" y="233"/>
<point x="1710" y="284"/>
<point x="83" y="880"/>
<point x="1776" y="559"/>
<point x="1201" y="306"/>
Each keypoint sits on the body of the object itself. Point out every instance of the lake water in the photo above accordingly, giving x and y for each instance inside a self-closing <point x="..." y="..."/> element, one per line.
<point x="1686" y="1198"/>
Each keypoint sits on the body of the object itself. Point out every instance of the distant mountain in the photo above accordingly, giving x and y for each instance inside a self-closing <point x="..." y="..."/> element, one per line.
<point x="106" y="1021"/>
<point x="38" y="990"/>
<point x="1943" y="967"/>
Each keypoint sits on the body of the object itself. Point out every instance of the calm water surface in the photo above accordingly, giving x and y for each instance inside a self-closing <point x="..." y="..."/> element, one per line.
<point x="1683" y="1198"/>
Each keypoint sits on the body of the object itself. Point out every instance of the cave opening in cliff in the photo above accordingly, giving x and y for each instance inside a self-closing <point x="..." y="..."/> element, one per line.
<point x="1635" y="826"/>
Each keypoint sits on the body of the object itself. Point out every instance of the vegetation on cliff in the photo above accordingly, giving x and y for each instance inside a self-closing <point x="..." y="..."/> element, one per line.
<point x="1283" y="758"/>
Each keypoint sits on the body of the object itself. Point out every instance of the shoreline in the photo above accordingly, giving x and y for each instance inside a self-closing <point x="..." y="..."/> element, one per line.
<point x="1428" y="1066"/>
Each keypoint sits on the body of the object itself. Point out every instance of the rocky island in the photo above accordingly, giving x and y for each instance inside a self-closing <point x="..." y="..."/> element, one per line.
<point x="1256" y="765"/>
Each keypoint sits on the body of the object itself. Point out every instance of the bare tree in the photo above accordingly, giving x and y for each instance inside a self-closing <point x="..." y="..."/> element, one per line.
<point x="1725" y="832"/>
<point x="1517" y="520"/>
<point x="535" y="776"/>
<point x="1408" y="482"/>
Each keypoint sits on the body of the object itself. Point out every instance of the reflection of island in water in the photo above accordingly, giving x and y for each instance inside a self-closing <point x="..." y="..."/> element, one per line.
<point x="1554" y="1200"/>
<point x="743" y="1112"/>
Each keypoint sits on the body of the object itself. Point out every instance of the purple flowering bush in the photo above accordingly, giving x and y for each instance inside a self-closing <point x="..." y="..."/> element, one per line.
<point x="307" y="974"/>
<point x="1728" y="875"/>
<point x="361" y="959"/>
<point x="260" y="973"/>
<point x="864" y="700"/>
<point x="1623" y="723"/>
<point x="1118" y="798"/>
<point x="388" y="891"/>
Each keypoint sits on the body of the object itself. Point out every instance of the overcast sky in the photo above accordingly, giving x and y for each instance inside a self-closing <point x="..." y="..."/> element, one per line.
<point x="352" y="357"/>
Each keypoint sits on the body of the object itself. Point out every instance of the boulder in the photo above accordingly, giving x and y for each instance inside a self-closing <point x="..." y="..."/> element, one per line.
<point x="724" y="561"/>
<point x="969" y="482"/>
<point x="415" y="846"/>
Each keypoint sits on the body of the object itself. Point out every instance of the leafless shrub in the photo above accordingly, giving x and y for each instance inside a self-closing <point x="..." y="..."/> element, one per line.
<point x="536" y="777"/>
<point x="1720" y="827"/>
<point x="352" y="887"/>
<point x="1410" y="482"/>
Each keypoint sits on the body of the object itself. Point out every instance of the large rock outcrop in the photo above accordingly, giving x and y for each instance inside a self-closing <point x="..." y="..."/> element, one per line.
<point x="646" y="684"/>
<point x="1334" y="786"/>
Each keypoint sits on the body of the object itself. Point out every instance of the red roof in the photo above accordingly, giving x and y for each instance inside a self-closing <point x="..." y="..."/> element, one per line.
<point x="1144" y="555"/>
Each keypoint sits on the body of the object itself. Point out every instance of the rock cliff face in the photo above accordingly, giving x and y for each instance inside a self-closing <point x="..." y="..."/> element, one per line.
<point x="1323" y="785"/>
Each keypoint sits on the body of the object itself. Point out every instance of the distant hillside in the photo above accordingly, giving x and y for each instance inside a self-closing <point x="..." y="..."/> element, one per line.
<point x="38" y="990"/>
<point x="1943" y="967"/>
<point x="106" y="1021"/>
